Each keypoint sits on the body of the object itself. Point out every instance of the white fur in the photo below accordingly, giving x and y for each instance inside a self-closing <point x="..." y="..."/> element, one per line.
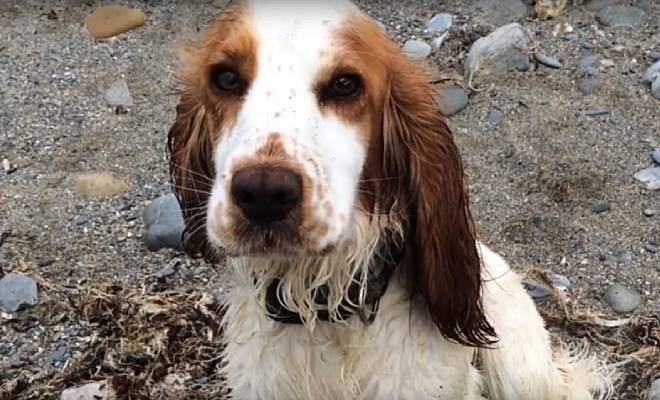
<point x="402" y="355"/>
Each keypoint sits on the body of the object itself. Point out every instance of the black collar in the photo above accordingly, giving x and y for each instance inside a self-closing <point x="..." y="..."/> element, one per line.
<point x="387" y="257"/>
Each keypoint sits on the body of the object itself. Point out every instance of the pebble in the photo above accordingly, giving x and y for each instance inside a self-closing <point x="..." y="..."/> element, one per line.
<point x="622" y="299"/>
<point x="437" y="42"/>
<point x="656" y="155"/>
<point x="655" y="56"/>
<point x="59" y="356"/>
<point x="601" y="207"/>
<point x="607" y="63"/>
<point x="6" y="165"/>
<point x="625" y="257"/>
<point x="594" y="112"/>
<point x="92" y="391"/>
<point x="118" y="94"/>
<point x="586" y="45"/>
<point x="648" y="212"/>
<point x="451" y="100"/>
<point x="417" y="48"/>
<point x="589" y="65"/>
<point x="100" y="184"/>
<point x="495" y="117"/>
<point x="112" y="20"/>
<point x="650" y="177"/>
<point x="503" y="50"/>
<point x="598" y="5"/>
<point x="440" y="23"/>
<point x="654" y="390"/>
<point x="539" y="291"/>
<point x="17" y="291"/>
<point x="621" y="16"/>
<point x="548" y="61"/>
<point x="588" y="85"/>
<point x="651" y="247"/>
<point x="652" y="76"/>
<point x="164" y="224"/>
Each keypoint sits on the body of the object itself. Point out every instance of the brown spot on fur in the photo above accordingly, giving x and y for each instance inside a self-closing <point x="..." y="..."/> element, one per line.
<point x="327" y="207"/>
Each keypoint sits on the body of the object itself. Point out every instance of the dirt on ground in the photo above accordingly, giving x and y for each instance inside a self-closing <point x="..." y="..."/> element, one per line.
<point x="110" y="308"/>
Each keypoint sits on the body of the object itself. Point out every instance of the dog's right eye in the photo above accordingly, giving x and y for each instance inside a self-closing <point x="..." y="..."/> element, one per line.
<point x="228" y="81"/>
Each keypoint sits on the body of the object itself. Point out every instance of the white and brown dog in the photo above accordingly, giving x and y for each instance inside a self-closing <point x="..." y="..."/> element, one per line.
<point x="310" y="151"/>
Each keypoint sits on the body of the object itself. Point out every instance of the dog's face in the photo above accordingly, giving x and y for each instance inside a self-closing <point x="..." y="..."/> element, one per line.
<point x="294" y="103"/>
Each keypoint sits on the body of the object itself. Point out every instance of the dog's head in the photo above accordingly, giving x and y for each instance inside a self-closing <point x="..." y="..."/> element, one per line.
<point x="298" y="122"/>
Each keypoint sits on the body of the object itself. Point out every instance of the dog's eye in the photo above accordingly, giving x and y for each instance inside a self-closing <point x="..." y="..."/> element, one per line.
<point x="343" y="87"/>
<point x="227" y="80"/>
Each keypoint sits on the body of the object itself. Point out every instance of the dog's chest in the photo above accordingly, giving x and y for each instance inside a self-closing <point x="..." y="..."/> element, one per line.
<point x="399" y="356"/>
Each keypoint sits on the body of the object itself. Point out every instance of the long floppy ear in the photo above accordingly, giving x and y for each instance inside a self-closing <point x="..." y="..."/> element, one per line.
<point x="190" y="152"/>
<point x="423" y="183"/>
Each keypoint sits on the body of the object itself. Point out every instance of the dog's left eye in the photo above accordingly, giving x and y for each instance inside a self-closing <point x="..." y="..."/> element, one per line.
<point x="343" y="87"/>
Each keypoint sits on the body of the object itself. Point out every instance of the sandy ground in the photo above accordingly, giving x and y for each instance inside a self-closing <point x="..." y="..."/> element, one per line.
<point x="534" y="177"/>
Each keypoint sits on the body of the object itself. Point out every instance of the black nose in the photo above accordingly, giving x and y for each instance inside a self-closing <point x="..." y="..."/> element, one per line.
<point x="266" y="194"/>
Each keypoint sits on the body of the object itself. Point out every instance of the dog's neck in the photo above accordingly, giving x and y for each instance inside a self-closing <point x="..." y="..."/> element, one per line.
<point x="331" y="288"/>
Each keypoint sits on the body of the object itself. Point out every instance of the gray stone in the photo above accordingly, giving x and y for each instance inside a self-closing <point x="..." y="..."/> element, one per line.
<point x="17" y="291"/>
<point x="622" y="299"/>
<point x="596" y="111"/>
<point x="652" y="76"/>
<point x="655" y="56"/>
<point x="495" y="117"/>
<point x="92" y="391"/>
<point x="656" y="155"/>
<point x="536" y="290"/>
<point x="118" y="94"/>
<point x="417" y="48"/>
<point x="654" y="391"/>
<point x="164" y="224"/>
<point x="451" y="100"/>
<point x="621" y="16"/>
<point x="588" y="85"/>
<point x="597" y="5"/>
<point x="60" y="355"/>
<point x="439" y="23"/>
<point x="601" y="207"/>
<point x="643" y="4"/>
<point x="589" y="64"/>
<point x="651" y="247"/>
<point x="504" y="50"/>
<point x="648" y="212"/>
<point x="650" y="177"/>
<point x="625" y="257"/>
<point x="548" y="61"/>
<point x="586" y="45"/>
<point x="499" y="12"/>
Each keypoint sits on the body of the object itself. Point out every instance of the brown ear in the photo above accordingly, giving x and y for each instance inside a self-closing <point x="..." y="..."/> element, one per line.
<point x="423" y="183"/>
<point x="190" y="149"/>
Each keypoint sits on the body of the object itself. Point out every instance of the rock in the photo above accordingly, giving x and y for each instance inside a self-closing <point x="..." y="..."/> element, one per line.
<point x="589" y="65"/>
<point x="625" y="257"/>
<point x="113" y="20"/>
<point x="598" y="5"/>
<point x="596" y="111"/>
<point x="451" y="99"/>
<point x="499" y="12"/>
<point x="164" y="224"/>
<point x="439" y="23"/>
<point x="601" y="207"/>
<point x="654" y="390"/>
<point x="586" y="45"/>
<point x="607" y="63"/>
<point x="503" y="50"/>
<point x="548" y="61"/>
<point x="651" y="247"/>
<point x="648" y="212"/>
<point x="588" y="85"/>
<point x="655" y="56"/>
<point x="656" y="155"/>
<point x="495" y="117"/>
<point x="92" y="391"/>
<point x="650" y="177"/>
<point x="6" y="165"/>
<point x="652" y="76"/>
<point x="622" y="299"/>
<point x="417" y="48"/>
<point x="540" y="291"/>
<point x="100" y="184"/>
<point x="17" y="291"/>
<point x="118" y="94"/>
<point x="437" y="42"/>
<point x="621" y="16"/>
<point x="59" y="356"/>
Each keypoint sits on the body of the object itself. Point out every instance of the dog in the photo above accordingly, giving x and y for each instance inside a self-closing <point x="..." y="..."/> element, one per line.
<point x="309" y="151"/>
